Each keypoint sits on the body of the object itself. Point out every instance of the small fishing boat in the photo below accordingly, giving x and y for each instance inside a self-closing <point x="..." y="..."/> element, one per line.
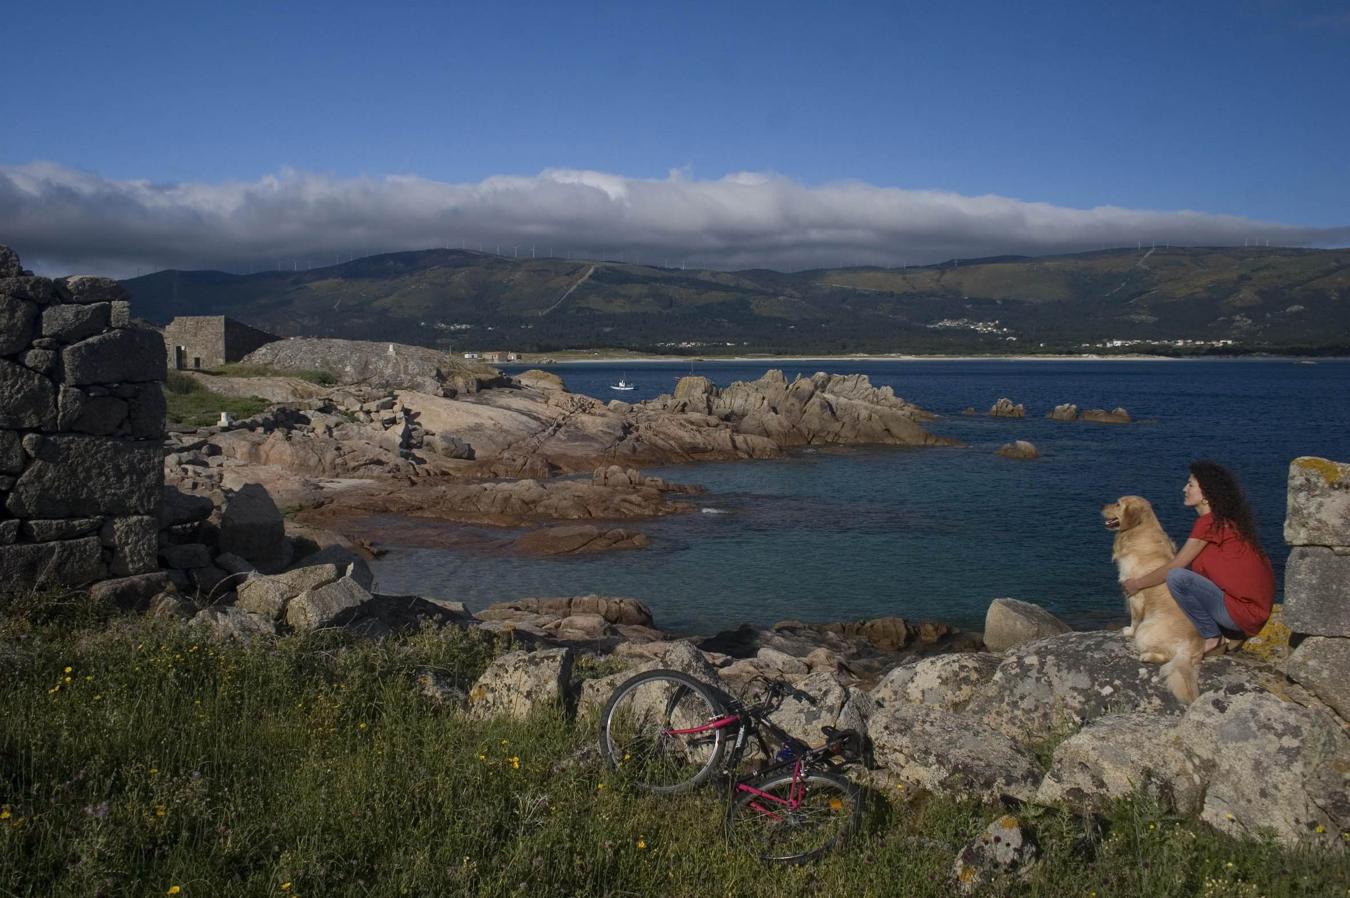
<point x="623" y="385"/>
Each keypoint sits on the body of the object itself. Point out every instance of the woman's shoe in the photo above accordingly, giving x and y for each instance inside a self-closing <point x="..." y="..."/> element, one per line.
<point x="1218" y="649"/>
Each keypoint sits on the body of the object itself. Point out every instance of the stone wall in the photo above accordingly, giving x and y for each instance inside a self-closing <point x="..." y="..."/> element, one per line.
<point x="81" y="431"/>
<point x="205" y="341"/>
<point x="1317" y="579"/>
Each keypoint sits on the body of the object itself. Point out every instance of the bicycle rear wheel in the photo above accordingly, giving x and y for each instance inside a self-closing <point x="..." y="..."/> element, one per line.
<point x="828" y="810"/>
<point x="641" y="731"/>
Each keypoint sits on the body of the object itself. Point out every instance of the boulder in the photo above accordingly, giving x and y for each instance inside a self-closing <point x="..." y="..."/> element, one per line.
<point x="179" y="507"/>
<point x="251" y="527"/>
<point x="379" y="365"/>
<point x="517" y="683"/>
<point x="1020" y="450"/>
<point x="1268" y="766"/>
<point x="263" y="596"/>
<point x="1004" y="408"/>
<point x="83" y="288"/>
<point x="817" y="701"/>
<point x="12" y="456"/>
<point x="131" y="593"/>
<point x="1321" y="665"/>
<point x="1317" y="591"/>
<point x="76" y="475"/>
<point x="17" y="317"/>
<point x="1002" y="850"/>
<point x="234" y="623"/>
<point x="330" y="605"/>
<point x="1318" y="503"/>
<point x="679" y="655"/>
<point x="82" y="413"/>
<point x="1064" y="412"/>
<point x="1117" y="756"/>
<point x="440" y="689"/>
<point x="541" y="380"/>
<point x="1054" y="685"/>
<point x="9" y="263"/>
<point x="1101" y="416"/>
<point x="1010" y="622"/>
<point x="349" y="563"/>
<point x="71" y="562"/>
<point x="65" y="528"/>
<point x="27" y="400"/>
<point x="135" y="543"/>
<point x="71" y="323"/>
<point x="127" y="355"/>
<point x="916" y="746"/>
<point x="187" y="556"/>
<point x="945" y="681"/>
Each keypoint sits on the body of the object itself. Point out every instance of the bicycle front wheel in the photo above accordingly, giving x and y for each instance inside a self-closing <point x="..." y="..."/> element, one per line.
<point x="655" y="731"/>
<point x="796" y="820"/>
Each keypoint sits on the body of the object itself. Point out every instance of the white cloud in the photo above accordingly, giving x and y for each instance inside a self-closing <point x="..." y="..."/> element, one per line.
<point x="62" y="220"/>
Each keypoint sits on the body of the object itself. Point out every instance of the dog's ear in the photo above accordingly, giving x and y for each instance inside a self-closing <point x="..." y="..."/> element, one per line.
<point x="1129" y="512"/>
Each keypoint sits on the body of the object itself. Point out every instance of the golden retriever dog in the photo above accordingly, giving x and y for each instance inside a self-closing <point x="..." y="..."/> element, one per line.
<point x="1161" y="631"/>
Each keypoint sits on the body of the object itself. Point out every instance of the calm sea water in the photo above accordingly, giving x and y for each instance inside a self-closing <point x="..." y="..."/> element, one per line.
<point x="839" y="534"/>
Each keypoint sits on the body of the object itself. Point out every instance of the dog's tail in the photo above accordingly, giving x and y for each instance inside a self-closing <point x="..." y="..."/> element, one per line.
<point x="1182" y="673"/>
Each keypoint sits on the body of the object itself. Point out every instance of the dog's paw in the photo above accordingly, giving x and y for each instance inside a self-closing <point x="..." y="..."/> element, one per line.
<point x="1127" y="632"/>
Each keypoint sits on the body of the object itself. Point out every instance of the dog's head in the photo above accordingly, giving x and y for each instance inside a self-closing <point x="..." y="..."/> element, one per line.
<point x="1127" y="512"/>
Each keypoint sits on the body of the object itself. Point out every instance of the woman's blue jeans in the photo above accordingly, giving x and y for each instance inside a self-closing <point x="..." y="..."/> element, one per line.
<point x="1202" y="601"/>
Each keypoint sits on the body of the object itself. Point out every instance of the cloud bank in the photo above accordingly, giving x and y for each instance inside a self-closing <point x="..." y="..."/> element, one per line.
<point x="63" y="221"/>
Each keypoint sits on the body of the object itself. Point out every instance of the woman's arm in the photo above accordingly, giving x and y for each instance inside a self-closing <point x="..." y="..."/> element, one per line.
<point x="1182" y="559"/>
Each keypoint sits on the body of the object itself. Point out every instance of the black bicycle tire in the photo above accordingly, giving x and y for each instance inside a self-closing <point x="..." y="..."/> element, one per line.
<point x="835" y="836"/>
<point x="614" y="754"/>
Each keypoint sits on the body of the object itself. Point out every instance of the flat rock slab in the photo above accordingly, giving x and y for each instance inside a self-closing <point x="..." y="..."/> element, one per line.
<point x="71" y="562"/>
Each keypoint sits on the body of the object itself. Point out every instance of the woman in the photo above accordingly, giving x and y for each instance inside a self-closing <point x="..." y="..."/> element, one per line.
<point x="1230" y="584"/>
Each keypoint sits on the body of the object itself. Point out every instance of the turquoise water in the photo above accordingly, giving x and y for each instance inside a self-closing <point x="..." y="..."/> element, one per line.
<point x="933" y="533"/>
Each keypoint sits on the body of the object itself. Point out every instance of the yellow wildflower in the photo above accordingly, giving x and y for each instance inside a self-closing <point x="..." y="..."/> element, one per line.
<point x="515" y="762"/>
<point x="1319" y="828"/>
<point x="65" y="680"/>
<point x="68" y="670"/>
<point x="160" y="810"/>
<point x="641" y="843"/>
<point x="4" y="814"/>
<point x="173" y="890"/>
<point x="599" y="786"/>
<point x="286" y="886"/>
<point x="361" y="725"/>
<point x="154" y="770"/>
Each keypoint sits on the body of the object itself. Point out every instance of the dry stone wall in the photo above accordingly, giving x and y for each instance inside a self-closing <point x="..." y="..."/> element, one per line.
<point x="1317" y="578"/>
<point x="81" y="431"/>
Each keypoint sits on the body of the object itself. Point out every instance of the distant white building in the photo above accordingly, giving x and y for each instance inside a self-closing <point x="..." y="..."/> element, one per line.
<point x="470" y="355"/>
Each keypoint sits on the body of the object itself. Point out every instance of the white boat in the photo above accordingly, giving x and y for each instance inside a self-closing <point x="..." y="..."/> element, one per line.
<point x="623" y="385"/>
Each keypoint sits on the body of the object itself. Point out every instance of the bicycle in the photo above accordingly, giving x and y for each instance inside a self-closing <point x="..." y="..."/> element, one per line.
<point x="666" y="732"/>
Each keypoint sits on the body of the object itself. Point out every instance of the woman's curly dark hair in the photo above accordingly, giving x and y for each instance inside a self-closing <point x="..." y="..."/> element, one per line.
<point x="1227" y="501"/>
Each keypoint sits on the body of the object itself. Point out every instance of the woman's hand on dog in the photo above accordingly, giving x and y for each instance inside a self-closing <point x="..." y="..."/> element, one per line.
<point x="1131" y="585"/>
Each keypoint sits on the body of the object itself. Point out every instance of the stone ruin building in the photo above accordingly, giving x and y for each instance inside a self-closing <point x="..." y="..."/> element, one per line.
<point x="81" y="431"/>
<point x="205" y="341"/>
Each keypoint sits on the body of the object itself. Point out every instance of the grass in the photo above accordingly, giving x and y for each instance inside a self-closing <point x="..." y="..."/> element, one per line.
<point x="189" y="402"/>
<point x="236" y="369"/>
<point x="136" y="759"/>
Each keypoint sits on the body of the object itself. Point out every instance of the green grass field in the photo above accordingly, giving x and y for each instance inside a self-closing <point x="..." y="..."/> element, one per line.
<point x="138" y="759"/>
<point x="189" y="402"/>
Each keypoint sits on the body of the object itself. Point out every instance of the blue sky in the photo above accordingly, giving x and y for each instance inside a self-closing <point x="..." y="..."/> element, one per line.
<point x="1229" y="110"/>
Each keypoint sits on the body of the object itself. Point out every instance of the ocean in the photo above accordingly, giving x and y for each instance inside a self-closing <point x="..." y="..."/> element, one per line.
<point x="849" y="533"/>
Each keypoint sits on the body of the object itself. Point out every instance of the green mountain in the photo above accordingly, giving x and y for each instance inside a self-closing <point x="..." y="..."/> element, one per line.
<point x="1257" y="298"/>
